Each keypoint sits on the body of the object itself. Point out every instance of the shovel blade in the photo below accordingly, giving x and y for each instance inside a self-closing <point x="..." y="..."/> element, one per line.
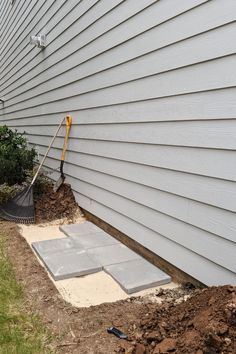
<point x="58" y="183"/>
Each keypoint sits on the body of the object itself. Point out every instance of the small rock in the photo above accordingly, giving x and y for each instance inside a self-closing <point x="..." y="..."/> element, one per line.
<point x="138" y="335"/>
<point x="126" y="347"/>
<point x="222" y="329"/>
<point x="231" y="289"/>
<point x="188" y="286"/>
<point x="186" y="297"/>
<point x="160" y="292"/>
<point x="211" y="301"/>
<point x="178" y="301"/>
<point x="167" y="345"/>
<point x="154" y="335"/>
<point x="213" y="341"/>
<point x="228" y="341"/>
<point x="140" y="349"/>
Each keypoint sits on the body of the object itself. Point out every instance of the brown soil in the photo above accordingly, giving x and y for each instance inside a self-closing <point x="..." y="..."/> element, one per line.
<point x="82" y="330"/>
<point x="52" y="205"/>
<point x="204" y="323"/>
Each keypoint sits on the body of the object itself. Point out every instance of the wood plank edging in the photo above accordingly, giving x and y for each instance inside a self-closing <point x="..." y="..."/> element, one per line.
<point x="177" y="274"/>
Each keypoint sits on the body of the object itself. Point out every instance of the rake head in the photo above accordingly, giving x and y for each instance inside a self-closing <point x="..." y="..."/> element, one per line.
<point x="20" y="209"/>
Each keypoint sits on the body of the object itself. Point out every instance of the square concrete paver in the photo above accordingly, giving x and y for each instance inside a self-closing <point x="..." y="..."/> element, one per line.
<point x="79" y="229"/>
<point x="137" y="275"/>
<point x="89" y="249"/>
<point x="95" y="239"/>
<point x="47" y="247"/>
<point x="70" y="263"/>
<point x="90" y="290"/>
<point x="112" y="254"/>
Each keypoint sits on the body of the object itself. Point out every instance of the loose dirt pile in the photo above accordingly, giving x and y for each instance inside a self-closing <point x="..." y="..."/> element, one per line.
<point x="203" y="324"/>
<point x="52" y="205"/>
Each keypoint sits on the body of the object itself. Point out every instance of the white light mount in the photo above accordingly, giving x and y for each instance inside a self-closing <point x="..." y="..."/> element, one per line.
<point x="39" y="40"/>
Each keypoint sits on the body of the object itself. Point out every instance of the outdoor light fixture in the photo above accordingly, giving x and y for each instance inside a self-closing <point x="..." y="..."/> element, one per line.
<point x="38" y="41"/>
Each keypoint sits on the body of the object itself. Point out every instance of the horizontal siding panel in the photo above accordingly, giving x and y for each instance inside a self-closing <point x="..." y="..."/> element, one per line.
<point x="188" y="211"/>
<point x="5" y="8"/>
<point x="45" y="12"/>
<point x="133" y="211"/>
<point x="197" y="266"/>
<point x="217" y="221"/>
<point x="152" y="145"/>
<point x="208" y="134"/>
<point x="208" y="46"/>
<point x="41" y="15"/>
<point x="8" y="14"/>
<point x="23" y="53"/>
<point x="19" y="21"/>
<point x="134" y="46"/>
<point x="54" y="28"/>
<point x="148" y="38"/>
<point x="219" y="193"/>
<point x="206" y="162"/>
<point x="109" y="58"/>
<point x="27" y="22"/>
<point x="220" y="73"/>
<point x="102" y="25"/>
<point x="110" y="39"/>
<point x="218" y="104"/>
<point x="214" y="134"/>
<point x="198" y="241"/>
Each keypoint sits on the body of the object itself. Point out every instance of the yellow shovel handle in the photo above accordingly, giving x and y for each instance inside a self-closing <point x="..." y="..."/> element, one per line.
<point x="68" y="121"/>
<point x="68" y="127"/>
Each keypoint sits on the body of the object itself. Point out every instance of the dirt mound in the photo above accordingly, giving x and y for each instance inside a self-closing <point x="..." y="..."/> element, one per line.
<point x="203" y="324"/>
<point x="52" y="205"/>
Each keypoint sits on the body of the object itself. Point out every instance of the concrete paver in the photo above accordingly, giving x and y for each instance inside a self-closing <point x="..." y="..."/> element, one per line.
<point x="95" y="239"/>
<point x="89" y="290"/>
<point x="112" y="254"/>
<point x="47" y="247"/>
<point x="79" y="229"/>
<point x="70" y="263"/>
<point x="137" y="275"/>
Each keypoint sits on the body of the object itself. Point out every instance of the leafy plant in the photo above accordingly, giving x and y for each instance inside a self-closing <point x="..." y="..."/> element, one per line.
<point x="8" y="192"/>
<point x="42" y="182"/>
<point x="16" y="158"/>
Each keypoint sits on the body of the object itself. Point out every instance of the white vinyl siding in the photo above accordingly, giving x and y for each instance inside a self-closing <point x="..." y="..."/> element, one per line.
<point x="151" y="87"/>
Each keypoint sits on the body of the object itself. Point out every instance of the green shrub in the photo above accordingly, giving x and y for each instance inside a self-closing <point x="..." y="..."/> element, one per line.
<point x="16" y="159"/>
<point x="42" y="183"/>
<point x="9" y="192"/>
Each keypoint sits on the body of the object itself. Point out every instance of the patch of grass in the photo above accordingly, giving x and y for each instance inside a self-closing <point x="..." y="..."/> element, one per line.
<point x="20" y="332"/>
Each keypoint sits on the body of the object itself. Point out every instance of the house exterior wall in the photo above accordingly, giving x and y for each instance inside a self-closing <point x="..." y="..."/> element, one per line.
<point x="151" y="89"/>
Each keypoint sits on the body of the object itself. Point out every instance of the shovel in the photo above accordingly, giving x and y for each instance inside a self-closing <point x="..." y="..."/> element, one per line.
<point x="61" y="179"/>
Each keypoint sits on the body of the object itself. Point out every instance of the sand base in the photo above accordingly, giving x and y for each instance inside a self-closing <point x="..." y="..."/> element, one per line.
<point x="89" y="290"/>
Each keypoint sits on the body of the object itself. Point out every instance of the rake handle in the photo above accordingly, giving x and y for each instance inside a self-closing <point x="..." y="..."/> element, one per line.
<point x="46" y="153"/>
